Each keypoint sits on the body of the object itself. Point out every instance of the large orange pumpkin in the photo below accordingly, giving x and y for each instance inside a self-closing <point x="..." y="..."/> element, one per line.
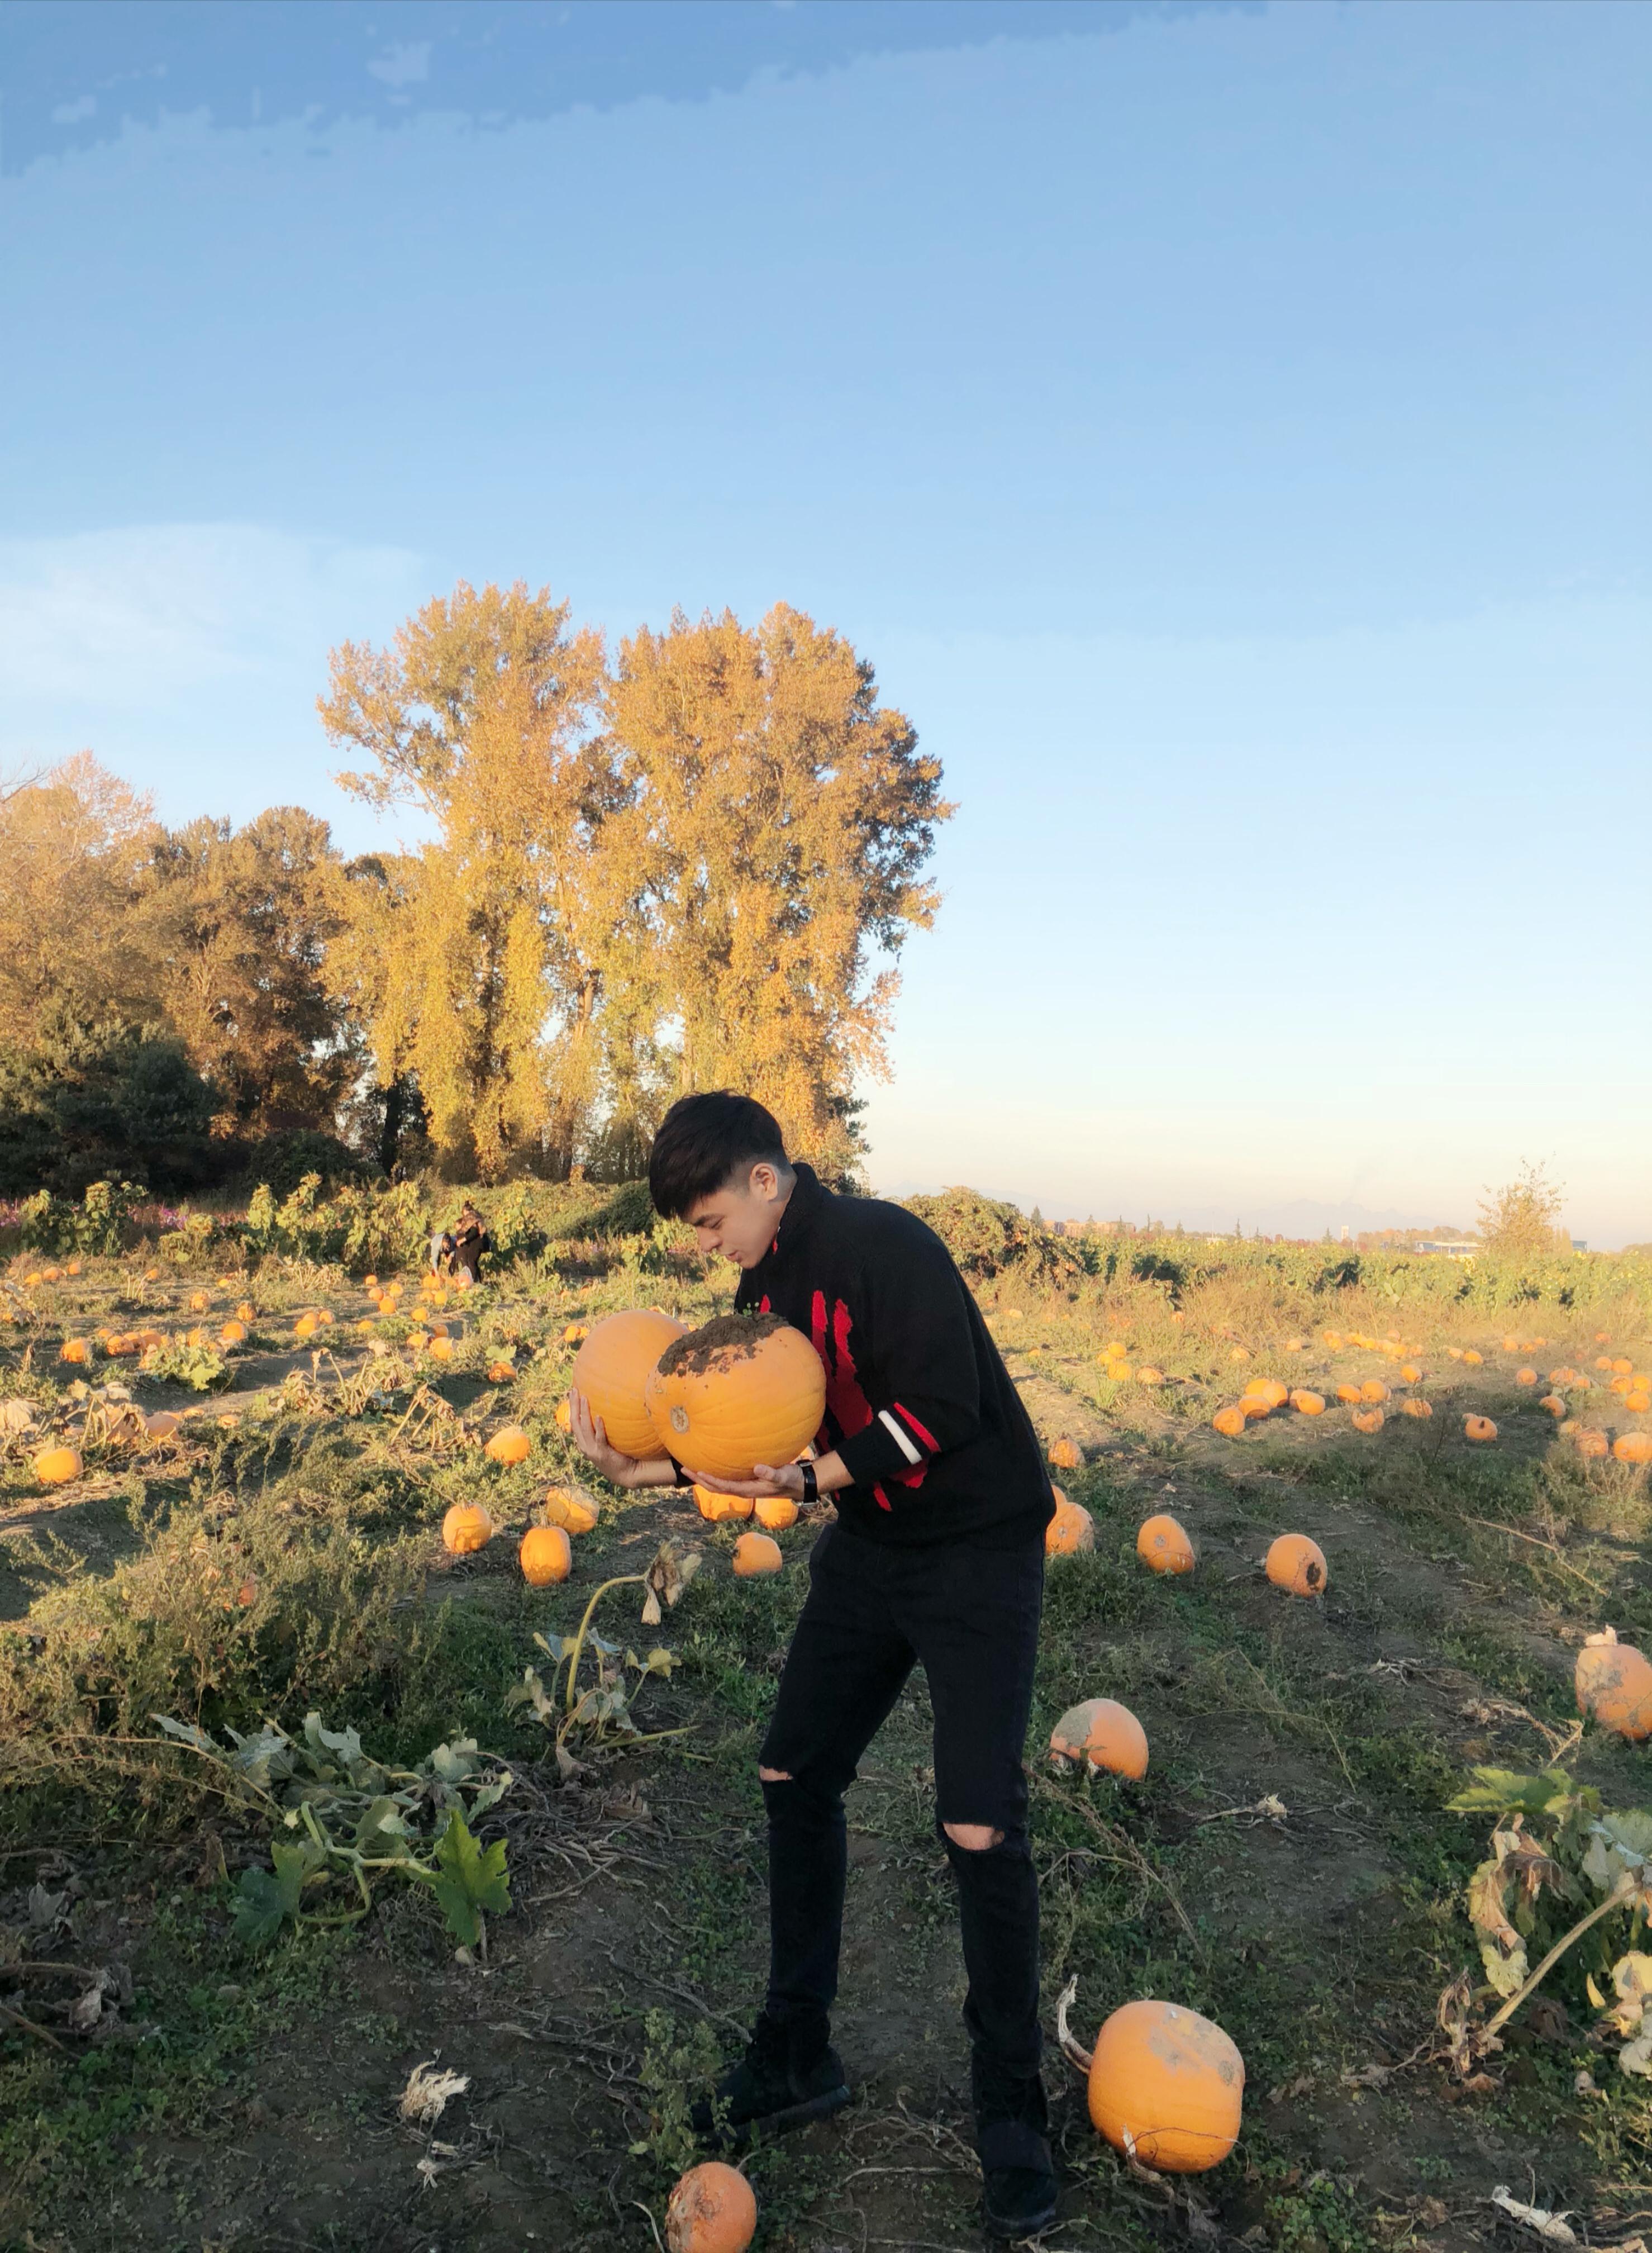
<point x="1072" y="1530"/>
<point x="1614" y="1684"/>
<point x="741" y="1391"/>
<point x="711" y="2210"/>
<point x="57" y="1466"/>
<point x="466" y="1528"/>
<point x="1633" y="1447"/>
<point x="1164" y="1543"/>
<point x="512" y="1444"/>
<point x="545" y="1556"/>
<point x="611" y="1369"/>
<point x="1167" y="2087"/>
<point x="1105" y="1733"/>
<point x="755" y="1553"/>
<point x="1297" y="1564"/>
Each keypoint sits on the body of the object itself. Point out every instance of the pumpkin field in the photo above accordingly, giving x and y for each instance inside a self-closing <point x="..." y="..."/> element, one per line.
<point x="381" y="1850"/>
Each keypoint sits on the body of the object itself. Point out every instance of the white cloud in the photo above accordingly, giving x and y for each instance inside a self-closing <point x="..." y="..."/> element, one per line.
<point x="141" y="617"/>
<point x="76" y="113"/>
<point x="406" y="64"/>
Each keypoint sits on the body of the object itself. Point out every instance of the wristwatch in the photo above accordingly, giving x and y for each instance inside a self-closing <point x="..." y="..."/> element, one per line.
<point x="811" y="1484"/>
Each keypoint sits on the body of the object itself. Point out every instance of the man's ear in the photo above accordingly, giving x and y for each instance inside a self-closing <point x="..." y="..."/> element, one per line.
<point x="763" y="1182"/>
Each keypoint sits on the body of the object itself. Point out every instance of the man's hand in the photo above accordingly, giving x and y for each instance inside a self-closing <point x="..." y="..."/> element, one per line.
<point x="591" y="1440"/>
<point x="784" y="1478"/>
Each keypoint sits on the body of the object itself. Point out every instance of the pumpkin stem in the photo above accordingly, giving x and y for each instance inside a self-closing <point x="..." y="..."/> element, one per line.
<point x="619" y="1581"/>
<point x="1072" y="2049"/>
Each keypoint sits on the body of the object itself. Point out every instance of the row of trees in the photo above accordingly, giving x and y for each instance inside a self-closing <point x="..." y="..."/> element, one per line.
<point x="689" y="867"/>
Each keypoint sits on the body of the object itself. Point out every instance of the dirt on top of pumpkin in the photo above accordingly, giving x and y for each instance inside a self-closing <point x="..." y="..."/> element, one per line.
<point x="728" y="1337"/>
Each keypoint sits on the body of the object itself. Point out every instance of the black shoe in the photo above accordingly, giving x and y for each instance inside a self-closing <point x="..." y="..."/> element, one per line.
<point x="1019" y="2179"/>
<point x="779" y="2083"/>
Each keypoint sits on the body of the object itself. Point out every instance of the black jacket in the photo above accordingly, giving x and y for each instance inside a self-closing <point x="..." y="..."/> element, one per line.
<point x="918" y="1403"/>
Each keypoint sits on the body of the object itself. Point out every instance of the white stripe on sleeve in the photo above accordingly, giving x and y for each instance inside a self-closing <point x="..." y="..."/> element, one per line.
<point x="913" y="1453"/>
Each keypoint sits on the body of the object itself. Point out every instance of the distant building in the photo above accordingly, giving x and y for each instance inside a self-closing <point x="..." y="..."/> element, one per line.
<point x="1447" y="1248"/>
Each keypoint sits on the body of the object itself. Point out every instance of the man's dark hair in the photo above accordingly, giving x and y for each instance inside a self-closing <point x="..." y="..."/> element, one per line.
<point x="703" y="1141"/>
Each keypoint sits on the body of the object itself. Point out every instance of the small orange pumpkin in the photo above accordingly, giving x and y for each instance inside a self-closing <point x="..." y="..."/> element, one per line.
<point x="545" y="1556"/>
<point x="1367" y="1420"/>
<point x="500" y="1372"/>
<point x="1639" y="1400"/>
<point x="466" y="1528"/>
<point x="715" y="1506"/>
<point x="1103" y="1732"/>
<point x="774" y="1513"/>
<point x="1070" y="1531"/>
<point x="512" y="1444"/>
<point x="245" y="1312"/>
<point x="1229" y="1421"/>
<point x="1526" y="1377"/>
<point x="1065" y="1456"/>
<point x="1553" y="1403"/>
<point x="564" y="1416"/>
<point x="1297" y="1564"/>
<point x="741" y="1390"/>
<point x="1633" y="1447"/>
<point x="1480" y="1429"/>
<point x="162" y="1425"/>
<point x="1268" y="1389"/>
<point x="1163" y="1545"/>
<point x="1308" y="1404"/>
<point x="1349" y="1395"/>
<point x="1374" y="1389"/>
<point x="1473" y="1359"/>
<point x="1167" y="2087"/>
<point x="1417" y="1408"/>
<point x="199" y="1302"/>
<point x="1614" y="1684"/>
<point x="712" y="2209"/>
<point x="1622" y="1365"/>
<point x="755" y="1553"/>
<point x="75" y="1351"/>
<point x="1593" y="1444"/>
<point x="571" y="1508"/>
<point x="233" y="1333"/>
<point x="1410" y="1373"/>
<point x="1148" y="1375"/>
<point x="57" y="1466"/>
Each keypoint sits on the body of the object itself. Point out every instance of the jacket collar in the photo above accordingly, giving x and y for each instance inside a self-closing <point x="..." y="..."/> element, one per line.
<point x="808" y="1194"/>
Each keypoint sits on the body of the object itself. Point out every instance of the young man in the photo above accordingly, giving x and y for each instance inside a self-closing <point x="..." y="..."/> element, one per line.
<point x="937" y="1557"/>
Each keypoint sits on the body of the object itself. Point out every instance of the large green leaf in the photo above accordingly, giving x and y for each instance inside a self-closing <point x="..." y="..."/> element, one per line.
<point x="266" y="1900"/>
<point x="471" y="1880"/>
<point x="1503" y="1791"/>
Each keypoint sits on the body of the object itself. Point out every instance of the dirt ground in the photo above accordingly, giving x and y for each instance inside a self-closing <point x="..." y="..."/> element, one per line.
<point x="263" y="2096"/>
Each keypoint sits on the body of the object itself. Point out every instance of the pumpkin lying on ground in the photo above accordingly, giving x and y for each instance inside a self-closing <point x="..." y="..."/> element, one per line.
<point x="1229" y="1421"/>
<point x="466" y="1528"/>
<point x="512" y="1444"/>
<point x="1105" y="1733"/>
<point x="1480" y="1429"/>
<point x="162" y="1425"/>
<point x="571" y="1508"/>
<point x="1268" y="1391"/>
<point x="711" y="2210"/>
<point x="545" y="1556"/>
<point x="1410" y="1373"/>
<point x="233" y="1333"/>
<point x="715" y="1506"/>
<point x="1065" y="1456"/>
<point x="1419" y="1409"/>
<point x="1593" y="1444"/>
<point x="1297" y="1564"/>
<point x="57" y="1466"/>
<point x="1349" y="1395"/>
<point x="611" y="1369"/>
<point x="1149" y="1376"/>
<point x="1367" y="1420"/>
<point x="1308" y="1404"/>
<point x="1614" y="1684"/>
<point x="500" y="1372"/>
<point x="755" y="1553"/>
<point x="74" y="1350"/>
<point x="1633" y="1447"/>
<point x="774" y="1513"/>
<point x="741" y="1390"/>
<point x="1553" y="1403"/>
<point x="1163" y="1545"/>
<point x="1072" y="1528"/>
<point x="1166" y="2087"/>
<point x="1374" y="1389"/>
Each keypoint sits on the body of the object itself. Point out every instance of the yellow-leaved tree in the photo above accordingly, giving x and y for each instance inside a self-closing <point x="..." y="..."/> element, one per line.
<point x="476" y="961"/>
<point x="74" y="847"/>
<point x="775" y="822"/>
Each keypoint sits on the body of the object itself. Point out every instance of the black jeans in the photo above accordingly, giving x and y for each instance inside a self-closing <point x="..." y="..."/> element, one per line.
<point x="969" y="1615"/>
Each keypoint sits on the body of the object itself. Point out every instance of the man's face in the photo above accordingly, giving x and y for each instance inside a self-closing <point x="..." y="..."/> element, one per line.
<point x="740" y="1218"/>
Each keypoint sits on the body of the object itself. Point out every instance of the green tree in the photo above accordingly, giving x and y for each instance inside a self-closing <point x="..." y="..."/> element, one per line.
<point x="90" y="1098"/>
<point x="1521" y="1220"/>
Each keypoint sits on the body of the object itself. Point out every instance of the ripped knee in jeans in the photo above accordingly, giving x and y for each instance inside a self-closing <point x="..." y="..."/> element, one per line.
<point x="775" y="1776"/>
<point x="974" y="1838"/>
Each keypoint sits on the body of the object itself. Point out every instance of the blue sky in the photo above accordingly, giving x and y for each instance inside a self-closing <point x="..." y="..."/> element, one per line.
<point x="1223" y="426"/>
